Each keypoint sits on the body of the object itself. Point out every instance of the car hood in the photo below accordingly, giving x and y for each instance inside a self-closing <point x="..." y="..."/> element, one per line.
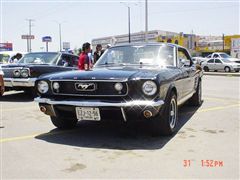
<point x="108" y="73"/>
<point x="233" y="59"/>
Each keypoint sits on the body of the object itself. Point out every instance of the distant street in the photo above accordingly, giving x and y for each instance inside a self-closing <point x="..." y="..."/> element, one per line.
<point x="206" y="145"/>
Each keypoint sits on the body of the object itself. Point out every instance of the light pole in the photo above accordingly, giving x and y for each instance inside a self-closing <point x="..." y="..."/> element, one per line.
<point x="129" y="25"/>
<point x="60" y="34"/>
<point x="146" y="20"/>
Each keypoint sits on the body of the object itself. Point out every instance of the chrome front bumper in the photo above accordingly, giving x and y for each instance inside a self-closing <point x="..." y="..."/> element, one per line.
<point x="94" y="103"/>
<point x="19" y="82"/>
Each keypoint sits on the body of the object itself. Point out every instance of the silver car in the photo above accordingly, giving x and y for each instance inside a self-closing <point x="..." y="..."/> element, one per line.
<point x="220" y="65"/>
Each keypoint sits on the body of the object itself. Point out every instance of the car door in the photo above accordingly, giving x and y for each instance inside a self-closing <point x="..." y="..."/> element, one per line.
<point x="188" y="71"/>
<point x="218" y="65"/>
<point x="210" y="64"/>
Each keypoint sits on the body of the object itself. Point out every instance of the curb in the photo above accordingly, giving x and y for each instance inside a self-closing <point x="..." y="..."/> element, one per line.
<point x="221" y="74"/>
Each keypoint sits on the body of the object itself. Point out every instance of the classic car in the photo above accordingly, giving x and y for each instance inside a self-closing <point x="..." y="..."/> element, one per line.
<point x="145" y="81"/>
<point x="22" y="75"/>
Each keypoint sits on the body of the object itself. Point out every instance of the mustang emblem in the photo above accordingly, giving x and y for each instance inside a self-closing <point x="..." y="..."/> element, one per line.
<point x="85" y="86"/>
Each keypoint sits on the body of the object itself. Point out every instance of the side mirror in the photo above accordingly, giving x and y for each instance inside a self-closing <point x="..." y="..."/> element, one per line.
<point x="184" y="62"/>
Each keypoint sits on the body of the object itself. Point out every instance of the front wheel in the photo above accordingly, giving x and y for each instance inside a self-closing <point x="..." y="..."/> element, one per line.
<point x="196" y="99"/>
<point x="64" y="123"/>
<point x="227" y="69"/>
<point x="205" y="68"/>
<point x="166" y="122"/>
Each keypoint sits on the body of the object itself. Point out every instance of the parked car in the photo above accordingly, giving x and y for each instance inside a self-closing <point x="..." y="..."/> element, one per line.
<point x="130" y="82"/>
<point x="8" y="56"/>
<point x="1" y="82"/>
<point x="198" y="60"/>
<point x="222" y="55"/>
<point x="22" y="76"/>
<point x="220" y="65"/>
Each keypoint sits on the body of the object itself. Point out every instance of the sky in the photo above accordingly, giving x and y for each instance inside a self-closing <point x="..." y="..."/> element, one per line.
<point x="81" y="21"/>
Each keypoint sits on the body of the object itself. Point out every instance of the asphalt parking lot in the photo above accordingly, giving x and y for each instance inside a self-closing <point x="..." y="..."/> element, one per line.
<point x="205" y="146"/>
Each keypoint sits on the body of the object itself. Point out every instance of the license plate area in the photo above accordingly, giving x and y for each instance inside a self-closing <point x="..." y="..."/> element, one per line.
<point x="87" y="113"/>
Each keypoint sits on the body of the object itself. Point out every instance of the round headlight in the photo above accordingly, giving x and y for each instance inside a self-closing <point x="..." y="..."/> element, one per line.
<point x="42" y="87"/>
<point x="24" y="73"/>
<point x="149" y="88"/>
<point x="118" y="86"/>
<point x="56" y="85"/>
<point x="16" y="73"/>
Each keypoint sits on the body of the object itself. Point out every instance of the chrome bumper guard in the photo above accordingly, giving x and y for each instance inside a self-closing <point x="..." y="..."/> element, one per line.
<point x="94" y="103"/>
<point x="19" y="82"/>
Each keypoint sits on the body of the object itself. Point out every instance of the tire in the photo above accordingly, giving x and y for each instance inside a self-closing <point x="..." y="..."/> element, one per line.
<point x="205" y="68"/>
<point x="196" y="99"/>
<point x="227" y="69"/>
<point x="165" y="123"/>
<point x="64" y="123"/>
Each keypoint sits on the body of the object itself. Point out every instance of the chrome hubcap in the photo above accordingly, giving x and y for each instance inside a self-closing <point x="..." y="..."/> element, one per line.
<point x="173" y="113"/>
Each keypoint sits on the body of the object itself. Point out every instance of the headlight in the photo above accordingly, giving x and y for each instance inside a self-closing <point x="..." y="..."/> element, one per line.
<point x="24" y="73"/>
<point x="149" y="88"/>
<point x="16" y="73"/>
<point x="118" y="86"/>
<point x="42" y="87"/>
<point x="56" y="85"/>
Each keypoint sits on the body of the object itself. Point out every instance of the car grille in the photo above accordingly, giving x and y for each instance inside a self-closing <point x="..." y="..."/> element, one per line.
<point x="8" y="72"/>
<point x="97" y="88"/>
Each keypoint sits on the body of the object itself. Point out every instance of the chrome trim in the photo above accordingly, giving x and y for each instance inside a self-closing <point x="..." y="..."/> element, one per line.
<point x="124" y="115"/>
<point x="22" y="82"/>
<point x="90" y="80"/>
<point x="95" y="103"/>
<point x="63" y="94"/>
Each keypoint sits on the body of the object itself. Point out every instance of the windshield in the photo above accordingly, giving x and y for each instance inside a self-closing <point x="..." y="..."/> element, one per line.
<point x="40" y="58"/>
<point x="223" y="55"/>
<point x="132" y="55"/>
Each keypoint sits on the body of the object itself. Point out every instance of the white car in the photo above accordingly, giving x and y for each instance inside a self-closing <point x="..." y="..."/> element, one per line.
<point x="222" y="55"/>
<point x="220" y="65"/>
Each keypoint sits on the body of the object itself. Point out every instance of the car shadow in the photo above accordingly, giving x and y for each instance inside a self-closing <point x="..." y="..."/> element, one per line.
<point x="115" y="135"/>
<point x="16" y="96"/>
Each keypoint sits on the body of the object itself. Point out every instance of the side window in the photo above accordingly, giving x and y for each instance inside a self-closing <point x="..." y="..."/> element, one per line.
<point x="74" y="61"/>
<point x="218" y="61"/>
<point x="215" y="56"/>
<point x="211" y="61"/>
<point x="183" y="55"/>
<point x="65" y="60"/>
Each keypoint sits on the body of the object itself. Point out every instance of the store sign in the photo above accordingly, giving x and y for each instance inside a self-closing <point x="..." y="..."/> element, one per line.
<point x="66" y="45"/>
<point x="47" y="39"/>
<point x="6" y="47"/>
<point x="28" y="37"/>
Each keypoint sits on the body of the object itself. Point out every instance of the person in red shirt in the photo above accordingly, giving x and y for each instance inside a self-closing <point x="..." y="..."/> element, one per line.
<point x="84" y="63"/>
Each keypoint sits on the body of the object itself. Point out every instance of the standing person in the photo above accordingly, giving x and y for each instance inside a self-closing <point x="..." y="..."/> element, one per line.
<point x="1" y="82"/>
<point x="98" y="52"/>
<point x="84" y="62"/>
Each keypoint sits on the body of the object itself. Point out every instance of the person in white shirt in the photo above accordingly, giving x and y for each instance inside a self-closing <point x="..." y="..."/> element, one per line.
<point x="1" y="82"/>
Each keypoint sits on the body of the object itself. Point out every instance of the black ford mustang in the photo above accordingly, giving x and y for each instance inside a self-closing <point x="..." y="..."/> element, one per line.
<point x="22" y="75"/>
<point x="131" y="82"/>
